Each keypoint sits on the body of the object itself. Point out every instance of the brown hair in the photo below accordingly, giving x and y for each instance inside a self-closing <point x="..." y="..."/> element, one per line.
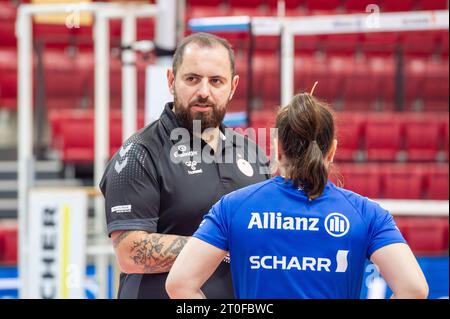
<point x="306" y="134"/>
<point x="203" y="40"/>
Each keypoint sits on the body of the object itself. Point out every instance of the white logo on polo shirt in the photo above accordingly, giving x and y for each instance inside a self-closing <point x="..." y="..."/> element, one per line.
<point x="182" y="152"/>
<point x="119" y="166"/>
<point x="193" y="166"/>
<point x="337" y="225"/>
<point x="245" y="167"/>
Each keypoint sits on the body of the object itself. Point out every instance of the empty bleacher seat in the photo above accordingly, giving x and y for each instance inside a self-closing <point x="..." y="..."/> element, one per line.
<point x="196" y="3"/>
<point x="290" y="4"/>
<point x="72" y="133"/>
<point x="424" y="234"/>
<point x="421" y="137"/>
<point x="358" y="6"/>
<point x="436" y="180"/>
<point x="361" y="178"/>
<point x="245" y="3"/>
<point x="415" y="69"/>
<point x="433" y="5"/>
<point x="402" y="181"/>
<point x="342" y="43"/>
<point x="375" y="43"/>
<point x="420" y="43"/>
<point x="383" y="137"/>
<point x="7" y="24"/>
<point x="266" y="76"/>
<point x="8" y="244"/>
<point x="397" y="5"/>
<point x="8" y="78"/>
<point x="322" y="5"/>
<point x="349" y="135"/>
<point x="436" y="80"/>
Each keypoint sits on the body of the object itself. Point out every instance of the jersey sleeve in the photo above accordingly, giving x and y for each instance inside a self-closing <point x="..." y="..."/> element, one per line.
<point x="214" y="227"/>
<point x="131" y="190"/>
<point x="382" y="228"/>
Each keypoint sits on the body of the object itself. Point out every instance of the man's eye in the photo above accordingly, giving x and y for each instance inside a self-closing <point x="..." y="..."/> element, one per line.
<point x="216" y="81"/>
<point x="190" y="79"/>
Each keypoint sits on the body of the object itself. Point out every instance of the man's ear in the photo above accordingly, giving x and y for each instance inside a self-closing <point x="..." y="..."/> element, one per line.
<point x="234" y="85"/>
<point x="171" y="81"/>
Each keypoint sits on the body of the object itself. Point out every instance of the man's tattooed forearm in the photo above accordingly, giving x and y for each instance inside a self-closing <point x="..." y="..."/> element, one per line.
<point x="120" y="238"/>
<point x="149" y="252"/>
<point x="176" y="246"/>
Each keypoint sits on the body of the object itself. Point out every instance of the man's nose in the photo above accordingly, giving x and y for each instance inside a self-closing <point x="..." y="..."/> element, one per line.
<point x="204" y="90"/>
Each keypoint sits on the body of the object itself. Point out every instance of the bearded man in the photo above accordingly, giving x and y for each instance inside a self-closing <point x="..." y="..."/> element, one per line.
<point x="158" y="187"/>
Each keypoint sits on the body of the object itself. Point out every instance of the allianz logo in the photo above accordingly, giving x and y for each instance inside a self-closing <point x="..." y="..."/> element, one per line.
<point x="335" y="224"/>
<point x="271" y="220"/>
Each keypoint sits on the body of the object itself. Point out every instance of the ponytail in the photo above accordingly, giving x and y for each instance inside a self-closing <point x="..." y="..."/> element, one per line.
<point x="306" y="133"/>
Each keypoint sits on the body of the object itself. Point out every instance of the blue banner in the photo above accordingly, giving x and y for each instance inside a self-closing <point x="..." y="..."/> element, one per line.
<point x="436" y="271"/>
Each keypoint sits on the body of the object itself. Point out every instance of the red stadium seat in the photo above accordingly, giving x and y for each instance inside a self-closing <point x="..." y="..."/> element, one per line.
<point x="397" y="5"/>
<point x="382" y="81"/>
<point x="402" y="181"/>
<point x="328" y="5"/>
<point x="256" y="11"/>
<point x="196" y="3"/>
<point x="384" y="43"/>
<point x="342" y="43"/>
<point x="433" y="5"/>
<point x="269" y="43"/>
<point x="358" y="80"/>
<point x="437" y="182"/>
<point x="383" y="137"/>
<point x="245" y="3"/>
<point x="260" y="129"/>
<point x="349" y="135"/>
<point x="422" y="138"/>
<point x="266" y="79"/>
<point x="207" y="11"/>
<point x="420" y="43"/>
<point x="8" y="78"/>
<point x="415" y="71"/>
<point x="425" y="235"/>
<point x="308" y="43"/>
<point x="290" y="4"/>
<point x="437" y="80"/>
<point x="358" y="6"/>
<point x="361" y="178"/>
<point x="446" y="139"/>
<point x="61" y="75"/>
<point x="145" y="28"/>
<point x="444" y="45"/>
<point x="8" y="244"/>
<point x="332" y="81"/>
<point x="7" y="24"/>
<point x="72" y="132"/>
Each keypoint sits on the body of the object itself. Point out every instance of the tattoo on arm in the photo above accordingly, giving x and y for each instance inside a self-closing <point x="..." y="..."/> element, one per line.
<point x="120" y="238"/>
<point x="154" y="254"/>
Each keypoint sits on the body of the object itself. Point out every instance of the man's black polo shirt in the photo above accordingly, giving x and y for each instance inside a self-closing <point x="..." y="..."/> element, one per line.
<point x="156" y="184"/>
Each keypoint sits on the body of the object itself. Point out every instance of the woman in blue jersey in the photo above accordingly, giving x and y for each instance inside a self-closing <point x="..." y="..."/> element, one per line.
<point x="298" y="235"/>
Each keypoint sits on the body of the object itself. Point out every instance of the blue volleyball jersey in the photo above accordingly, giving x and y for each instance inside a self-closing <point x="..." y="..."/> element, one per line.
<point x="283" y="245"/>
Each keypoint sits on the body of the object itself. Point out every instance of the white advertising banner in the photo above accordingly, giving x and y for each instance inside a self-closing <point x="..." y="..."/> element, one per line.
<point x="57" y="244"/>
<point x="157" y="92"/>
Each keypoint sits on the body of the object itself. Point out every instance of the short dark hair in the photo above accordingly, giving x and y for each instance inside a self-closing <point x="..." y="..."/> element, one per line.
<point x="204" y="40"/>
<point x="306" y="133"/>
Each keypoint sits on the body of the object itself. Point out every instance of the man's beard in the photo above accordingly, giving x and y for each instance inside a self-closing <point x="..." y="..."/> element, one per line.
<point x="210" y="119"/>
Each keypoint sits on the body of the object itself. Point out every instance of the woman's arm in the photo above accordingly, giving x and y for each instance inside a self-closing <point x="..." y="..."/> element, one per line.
<point x="400" y="269"/>
<point x="194" y="265"/>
